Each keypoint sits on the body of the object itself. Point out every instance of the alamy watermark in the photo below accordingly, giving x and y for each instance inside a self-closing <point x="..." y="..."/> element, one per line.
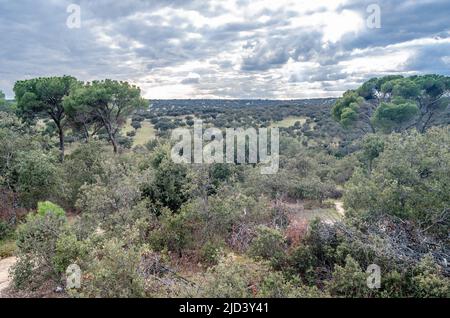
<point x="373" y="20"/>
<point x="74" y="19"/>
<point x="239" y="145"/>
<point x="73" y="277"/>
<point x="374" y="277"/>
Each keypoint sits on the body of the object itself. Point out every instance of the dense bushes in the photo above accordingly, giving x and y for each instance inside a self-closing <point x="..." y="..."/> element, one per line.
<point x="269" y="244"/>
<point x="227" y="217"/>
<point x="69" y="250"/>
<point x="5" y="229"/>
<point x="48" y="207"/>
<point x="36" y="242"/>
<point x="409" y="180"/>
<point x="25" y="167"/>
<point x="37" y="176"/>
<point x="238" y="277"/>
<point x="428" y="280"/>
<point x="122" y="221"/>
<point x="349" y="281"/>
<point x="81" y="167"/>
<point x="173" y="232"/>
<point x="303" y="175"/>
<point x="211" y="252"/>
<point x="113" y="193"/>
<point x="170" y="184"/>
<point x="112" y="271"/>
<point x="142" y="226"/>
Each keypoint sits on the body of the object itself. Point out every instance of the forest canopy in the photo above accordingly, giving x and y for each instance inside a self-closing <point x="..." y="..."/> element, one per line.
<point x="395" y="103"/>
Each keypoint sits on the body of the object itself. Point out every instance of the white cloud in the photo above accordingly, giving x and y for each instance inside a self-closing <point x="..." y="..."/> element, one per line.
<point x="339" y="24"/>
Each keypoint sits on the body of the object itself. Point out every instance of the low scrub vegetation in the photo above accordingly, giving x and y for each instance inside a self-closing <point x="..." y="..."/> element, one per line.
<point x="140" y="225"/>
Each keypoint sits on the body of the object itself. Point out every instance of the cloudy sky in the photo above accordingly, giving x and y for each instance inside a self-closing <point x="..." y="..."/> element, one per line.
<point x="224" y="48"/>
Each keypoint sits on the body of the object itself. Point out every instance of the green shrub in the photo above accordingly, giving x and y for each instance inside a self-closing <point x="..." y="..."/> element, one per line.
<point x="402" y="176"/>
<point x="114" y="192"/>
<point x="113" y="271"/>
<point x="172" y="234"/>
<point x="394" y="285"/>
<point x="240" y="277"/>
<point x="48" y="207"/>
<point x="131" y="133"/>
<point x="275" y="285"/>
<point x="233" y="277"/>
<point x="81" y="167"/>
<point x="222" y="215"/>
<point x="23" y="274"/>
<point x="349" y="281"/>
<point x="303" y="262"/>
<point x="38" y="176"/>
<point x="315" y="257"/>
<point x="136" y="124"/>
<point x="269" y="244"/>
<point x="69" y="250"/>
<point x="171" y="183"/>
<point x="5" y="230"/>
<point x="210" y="253"/>
<point x="36" y="243"/>
<point x="363" y="252"/>
<point x="125" y="141"/>
<point x="428" y="281"/>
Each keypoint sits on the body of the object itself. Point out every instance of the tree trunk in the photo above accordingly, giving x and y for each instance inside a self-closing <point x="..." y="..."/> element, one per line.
<point x="425" y="124"/>
<point x="114" y="143"/>
<point x="86" y="133"/>
<point x="61" y="143"/>
<point x="112" y="138"/>
<point x="111" y="133"/>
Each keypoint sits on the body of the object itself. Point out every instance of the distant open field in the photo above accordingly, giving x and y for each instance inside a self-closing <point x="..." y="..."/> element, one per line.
<point x="143" y="134"/>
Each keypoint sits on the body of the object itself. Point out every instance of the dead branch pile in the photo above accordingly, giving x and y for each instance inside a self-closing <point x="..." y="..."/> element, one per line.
<point x="392" y="238"/>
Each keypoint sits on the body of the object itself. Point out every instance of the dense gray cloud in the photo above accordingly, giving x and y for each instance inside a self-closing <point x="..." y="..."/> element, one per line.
<point x="224" y="48"/>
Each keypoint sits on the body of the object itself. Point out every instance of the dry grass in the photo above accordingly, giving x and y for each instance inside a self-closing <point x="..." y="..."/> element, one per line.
<point x="143" y="134"/>
<point x="309" y="210"/>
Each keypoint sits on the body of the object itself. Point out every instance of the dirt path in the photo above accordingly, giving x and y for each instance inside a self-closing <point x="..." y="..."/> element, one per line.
<point x="339" y="205"/>
<point x="5" y="265"/>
